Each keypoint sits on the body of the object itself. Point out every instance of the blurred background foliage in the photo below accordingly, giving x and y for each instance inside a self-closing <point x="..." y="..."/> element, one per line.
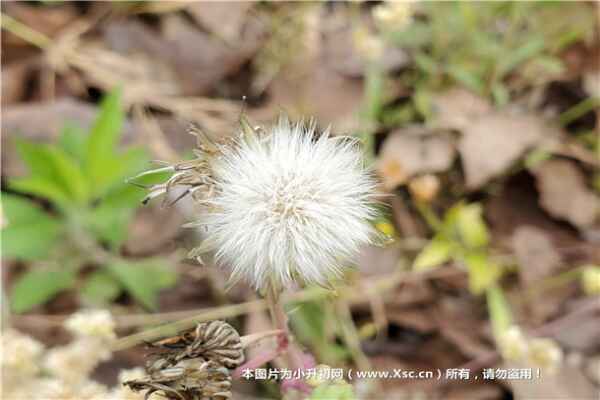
<point x="82" y="178"/>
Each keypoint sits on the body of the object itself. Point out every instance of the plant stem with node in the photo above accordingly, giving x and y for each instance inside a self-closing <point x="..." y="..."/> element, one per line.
<point x="294" y="358"/>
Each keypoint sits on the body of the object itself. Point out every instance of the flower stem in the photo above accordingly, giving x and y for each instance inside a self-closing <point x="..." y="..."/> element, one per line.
<point x="293" y="357"/>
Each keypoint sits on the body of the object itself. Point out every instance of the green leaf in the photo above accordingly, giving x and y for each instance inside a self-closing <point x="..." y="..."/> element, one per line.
<point x="426" y="63"/>
<point x="125" y="196"/>
<point x="40" y="187"/>
<point x="18" y="209"/>
<point x="143" y="279"/>
<point x="519" y="55"/>
<point x="122" y="166"/>
<point x="500" y="93"/>
<point x="331" y="390"/>
<point x="32" y="241"/>
<point x="53" y="170"/>
<point x="438" y="251"/>
<point x="308" y="321"/>
<point x="482" y="272"/>
<point x="499" y="310"/>
<point x="37" y="286"/>
<point x="423" y="102"/>
<point x="471" y="226"/>
<point x="70" y="174"/>
<point x="552" y="65"/>
<point x="43" y="179"/>
<point x="535" y="157"/>
<point x="415" y="35"/>
<point x="464" y="222"/>
<point x="464" y="76"/>
<point x="109" y="224"/>
<point x="72" y="141"/>
<point x="103" y="138"/>
<point x="100" y="288"/>
<point x="31" y="233"/>
<point x="374" y="87"/>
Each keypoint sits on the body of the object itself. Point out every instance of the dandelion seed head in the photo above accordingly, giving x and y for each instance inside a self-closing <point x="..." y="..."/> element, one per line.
<point x="290" y="204"/>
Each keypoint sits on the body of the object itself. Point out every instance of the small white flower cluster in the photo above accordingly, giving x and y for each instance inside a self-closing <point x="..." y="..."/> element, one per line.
<point x="92" y="323"/>
<point x="539" y="352"/>
<point x="31" y="371"/>
<point x="394" y="15"/>
<point x="20" y="357"/>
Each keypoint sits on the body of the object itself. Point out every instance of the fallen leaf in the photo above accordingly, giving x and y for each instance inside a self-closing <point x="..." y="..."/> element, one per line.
<point x="202" y="61"/>
<point x="538" y="259"/>
<point x="458" y="323"/>
<point x="586" y="337"/>
<point x="377" y="261"/>
<point x="303" y="83"/>
<point x="457" y="108"/>
<point x="564" y="194"/>
<point x="411" y="151"/>
<point x="568" y="383"/>
<point x="14" y="81"/>
<point x="411" y="293"/>
<point x="152" y="230"/>
<point x="536" y="253"/>
<point x="341" y="50"/>
<point x="211" y="15"/>
<point x="491" y="143"/>
<point x="50" y="118"/>
<point x="46" y="20"/>
<point x="470" y="390"/>
<point x="420" y="320"/>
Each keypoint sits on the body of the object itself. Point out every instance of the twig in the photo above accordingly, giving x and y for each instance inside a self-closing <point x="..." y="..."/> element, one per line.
<point x="350" y="294"/>
<point x="24" y="32"/>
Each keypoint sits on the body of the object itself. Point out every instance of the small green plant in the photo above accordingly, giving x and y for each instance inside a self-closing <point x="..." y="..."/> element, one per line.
<point x="462" y="236"/>
<point x="83" y="223"/>
<point x="492" y="49"/>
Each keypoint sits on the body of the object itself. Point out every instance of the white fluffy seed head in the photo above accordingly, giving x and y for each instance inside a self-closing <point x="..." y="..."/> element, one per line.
<point x="290" y="205"/>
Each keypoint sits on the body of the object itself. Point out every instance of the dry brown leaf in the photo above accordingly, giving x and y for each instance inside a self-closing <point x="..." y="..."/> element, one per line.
<point x="307" y="86"/>
<point x="457" y="108"/>
<point x="538" y="259"/>
<point x="341" y="48"/>
<point x="377" y="261"/>
<point x="212" y="14"/>
<point x="564" y="194"/>
<point x="46" y="20"/>
<point x="50" y="118"/>
<point x="586" y="337"/>
<point x="202" y="61"/>
<point x="411" y="293"/>
<point x="536" y="253"/>
<point x="420" y="320"/>
<point x="458" y="323"/>
<point x="407" y="152"/>
<point x="567" y="383"/>
<point x="471" y="391"/>
<point x="492" y="142"/>
<point x="14" y="81"/>
<point x="152" y="230"/>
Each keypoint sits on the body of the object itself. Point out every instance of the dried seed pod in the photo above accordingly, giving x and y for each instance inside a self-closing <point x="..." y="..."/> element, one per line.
<point x="215" y="340"/>
<point x="188" y="379"/>
<point x="193" y="365"/>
